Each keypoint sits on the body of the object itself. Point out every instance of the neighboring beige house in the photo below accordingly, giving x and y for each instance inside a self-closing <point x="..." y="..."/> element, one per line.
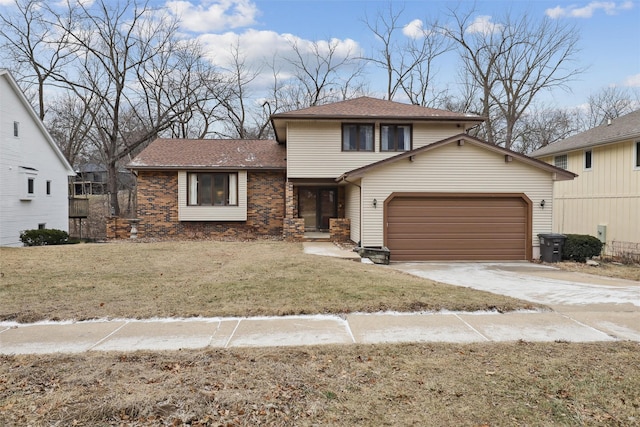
<point x="376" y="172"/>
<point x="604" y="201"/>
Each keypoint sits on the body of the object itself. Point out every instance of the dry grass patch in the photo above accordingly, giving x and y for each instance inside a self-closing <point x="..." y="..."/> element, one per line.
<point x="209" y="279"/>
<point x="505" y="384"/>
<point x="605" y="268"/>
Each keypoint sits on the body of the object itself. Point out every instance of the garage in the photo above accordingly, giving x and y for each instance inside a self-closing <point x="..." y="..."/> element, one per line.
<point x="453" y="226"/>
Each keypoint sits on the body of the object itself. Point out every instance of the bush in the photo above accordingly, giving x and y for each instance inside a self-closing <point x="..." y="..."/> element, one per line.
<point x="580" y="247"/>
<point x="41" y="237"/>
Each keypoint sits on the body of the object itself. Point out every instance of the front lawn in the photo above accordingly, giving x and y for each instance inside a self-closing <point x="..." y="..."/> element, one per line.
<point x="211" y="279"/>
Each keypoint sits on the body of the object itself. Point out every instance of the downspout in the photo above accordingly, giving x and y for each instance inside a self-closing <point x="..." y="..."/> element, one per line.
<point x="344" y="179"/>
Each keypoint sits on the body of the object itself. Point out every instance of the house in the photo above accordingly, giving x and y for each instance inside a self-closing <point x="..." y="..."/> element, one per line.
<point x="197" y="188"/>
<point x="375" y="172"/>
<point x="604" y="201"/>
<point x="92" y="178"/>
<point x="33" y="170"/>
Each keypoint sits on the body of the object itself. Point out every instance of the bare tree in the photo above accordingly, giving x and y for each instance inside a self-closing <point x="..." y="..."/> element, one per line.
<point x="33" y="46"/>
<point x="512" y="62"/>
<point x="121" y="63"/>
<point x="69" y="123"/>
<point x="542" y="126"/>
<point x="323" y="73"/>
<point x="408" y="62"/>
<point x="607" y="104"/>
<point x="236" y="99"/>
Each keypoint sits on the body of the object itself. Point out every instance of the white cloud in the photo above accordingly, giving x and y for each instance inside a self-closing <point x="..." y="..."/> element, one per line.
<point x="632" y="81"/>
<point x="609" y="7"/>
<point x="414" y="29"/>
<point x="483" y="25"/>
<point x="261" y="50"/>
<point x="213" y="15"/>
<point x="6" y="2"/>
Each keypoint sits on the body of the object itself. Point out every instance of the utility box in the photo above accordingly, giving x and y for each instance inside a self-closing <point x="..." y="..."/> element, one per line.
<point x="551" y="246"/>
<point x="602" y="233"/>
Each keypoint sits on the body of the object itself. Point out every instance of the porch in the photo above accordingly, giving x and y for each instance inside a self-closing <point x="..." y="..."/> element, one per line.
<point x="315" y="212"/>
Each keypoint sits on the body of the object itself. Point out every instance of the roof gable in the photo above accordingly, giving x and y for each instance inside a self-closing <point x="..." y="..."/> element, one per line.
<point x="367" y="108"/>
<point x="169" y="153"/>
<point x="560" y="174"/>
<point x="4" y="73"/>
<point x="619" y="129"/>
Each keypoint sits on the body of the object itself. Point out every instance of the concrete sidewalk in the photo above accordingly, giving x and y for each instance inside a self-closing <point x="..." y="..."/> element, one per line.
<point x="174" y="334"/>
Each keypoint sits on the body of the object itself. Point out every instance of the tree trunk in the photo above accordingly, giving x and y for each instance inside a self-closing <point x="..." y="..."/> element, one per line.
<point x="112" y="187"/>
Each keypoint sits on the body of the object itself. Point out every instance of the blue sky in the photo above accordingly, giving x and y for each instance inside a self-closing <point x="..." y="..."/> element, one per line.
<point x="610" y="40"/>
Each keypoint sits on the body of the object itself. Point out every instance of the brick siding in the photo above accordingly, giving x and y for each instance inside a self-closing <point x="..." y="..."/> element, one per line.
<point x="340" y="229"/>
<point x="158" y="208"/>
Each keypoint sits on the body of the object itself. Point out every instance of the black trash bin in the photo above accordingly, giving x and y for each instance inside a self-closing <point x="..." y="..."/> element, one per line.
<point x="551" y="246"/>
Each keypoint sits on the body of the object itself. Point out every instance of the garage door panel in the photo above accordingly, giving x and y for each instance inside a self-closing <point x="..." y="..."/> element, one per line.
<point x="457" y="228"/>
<point x="461" y="227"/>
<point x="461" y="244"/>
<point x="435" y="211"/>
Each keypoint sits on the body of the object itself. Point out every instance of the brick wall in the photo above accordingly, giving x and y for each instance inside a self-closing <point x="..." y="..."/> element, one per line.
<point x="340" y="229"/>
<point x="158" y="208"/>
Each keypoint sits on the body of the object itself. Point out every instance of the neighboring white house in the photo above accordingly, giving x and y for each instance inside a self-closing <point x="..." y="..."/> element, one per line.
<point x="33" y="170"/>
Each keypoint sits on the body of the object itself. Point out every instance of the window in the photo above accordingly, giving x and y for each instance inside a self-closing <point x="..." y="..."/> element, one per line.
<point x="212" y="189"/>
<point x="42" y="226"/>
<point x="30" y="186"/>
<point x="16" y="129"/>
<point x="560" y="161"/>
<point x="48" y="188"/>
<point x="357" y="137"/>
<point x="637" y="159"/>
<point x="587" y="159"/>
<point x="395" y="137"/>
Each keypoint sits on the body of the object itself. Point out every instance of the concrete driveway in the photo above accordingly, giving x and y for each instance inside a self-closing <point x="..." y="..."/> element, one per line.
<point x="611" y="306"/>
<point x="543" y="284"/>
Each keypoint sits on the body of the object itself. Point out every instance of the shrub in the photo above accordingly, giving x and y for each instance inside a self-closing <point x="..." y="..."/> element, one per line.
<point x="580" y="247"/>
<point x="41" y="237"/>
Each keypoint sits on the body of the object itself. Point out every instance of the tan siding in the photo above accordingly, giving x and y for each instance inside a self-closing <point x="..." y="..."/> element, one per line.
<point x="314" y="149"/>
<point x="608" y="194"/>
<point x="212" y="213"/>
<point x="451" y="169"/>
<point x="352" y="196"/>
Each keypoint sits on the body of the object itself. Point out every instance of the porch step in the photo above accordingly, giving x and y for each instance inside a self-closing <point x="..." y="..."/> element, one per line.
<point x="316" y="237"/>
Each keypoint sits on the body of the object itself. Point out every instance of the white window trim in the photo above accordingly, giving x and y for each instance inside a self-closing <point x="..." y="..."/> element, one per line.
<point x="16" y="129"/>
<point x="212" y="213"/>
<point x="25" y="175"/>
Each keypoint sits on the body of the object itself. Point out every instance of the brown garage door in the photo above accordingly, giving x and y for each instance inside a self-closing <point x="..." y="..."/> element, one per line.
<point x="451" y="227"/>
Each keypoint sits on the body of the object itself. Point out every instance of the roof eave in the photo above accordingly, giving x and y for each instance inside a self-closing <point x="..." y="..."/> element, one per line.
<point x="588" y="145"/>
<point x="201" y="167"/>
<point x="559" y="174"/>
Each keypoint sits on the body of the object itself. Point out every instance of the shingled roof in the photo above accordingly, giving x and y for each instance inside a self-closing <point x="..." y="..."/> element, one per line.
<point x="211" y="154"/>
<point x="620" y="129"/>
<point x="366" y="108"/>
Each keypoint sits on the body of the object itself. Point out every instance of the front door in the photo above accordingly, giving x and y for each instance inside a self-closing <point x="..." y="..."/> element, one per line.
<point x="316" y="205"/>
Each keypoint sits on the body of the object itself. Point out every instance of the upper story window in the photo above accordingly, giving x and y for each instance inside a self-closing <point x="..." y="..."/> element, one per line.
<point x="48" y="188"/>
<point x="560" y="161"/>
<point x="637" y="157"/>
<point x="395" y="137"/>
<point x="16" y="129"/>
<point x="588" y="159"/>
<point x="212" y="189"/>
<point x="357" y="137"/>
